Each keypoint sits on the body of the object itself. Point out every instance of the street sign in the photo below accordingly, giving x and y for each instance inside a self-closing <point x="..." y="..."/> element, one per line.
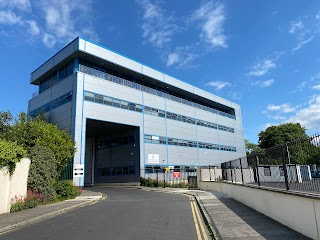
<point x="78" y="170"/>
<point x="167" y="169"/>
<point x="176" y="174"/>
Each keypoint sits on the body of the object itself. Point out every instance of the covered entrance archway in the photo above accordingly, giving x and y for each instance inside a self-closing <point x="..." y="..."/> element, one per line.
<point x="112" y="153"/>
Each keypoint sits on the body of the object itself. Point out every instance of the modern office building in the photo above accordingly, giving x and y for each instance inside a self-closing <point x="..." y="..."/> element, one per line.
<point x="128" y="119"/>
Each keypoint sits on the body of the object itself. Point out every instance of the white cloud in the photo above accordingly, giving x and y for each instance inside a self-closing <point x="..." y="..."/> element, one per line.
<point x="309" y="116"/>
<point x="56" y="21"/>
<point x="49" y="40"/>
<point x="316" y="87"/>
<point x="218" y="85"/>
<point x="262" y="68"/>
<point x="318" y="15"/>
<point x="301" y="44"/>
<point x="34" y="28"/>
<point x="9" y="17"/>
<point x="158" y="27"/>
<point x="295" y="26"/>
<point x="22" y="5"/>
<point x="173" y="58"/>
<point x="284" y="108"/>
<point x="263" y="84"/>
<point x="212" y="19"/>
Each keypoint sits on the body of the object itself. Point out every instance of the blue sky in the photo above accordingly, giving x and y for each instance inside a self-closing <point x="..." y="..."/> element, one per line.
<point x="263" y="55"/>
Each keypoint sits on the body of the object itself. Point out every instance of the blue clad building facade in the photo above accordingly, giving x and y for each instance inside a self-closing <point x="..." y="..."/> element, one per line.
<point x="128" y="119"/>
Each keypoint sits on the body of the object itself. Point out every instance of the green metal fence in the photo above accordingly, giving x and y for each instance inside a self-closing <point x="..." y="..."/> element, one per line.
<point x="67" y="173"/>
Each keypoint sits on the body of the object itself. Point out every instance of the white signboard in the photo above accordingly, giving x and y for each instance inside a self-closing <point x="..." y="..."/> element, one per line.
<point x="153" y="158"/>
<point x="78" y="170"/>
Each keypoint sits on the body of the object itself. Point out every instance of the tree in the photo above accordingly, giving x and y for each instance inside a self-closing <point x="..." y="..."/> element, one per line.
<point x="251" y="148"/>
<point x="5" y="120"/>
<point x="37" y="132"/>
<point x="43" y="172"/>
<point x="277" y="135"/>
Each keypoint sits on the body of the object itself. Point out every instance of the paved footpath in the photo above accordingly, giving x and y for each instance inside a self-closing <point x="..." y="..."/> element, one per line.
<point x="227" y="219"/>
<point x="11" y="221"/>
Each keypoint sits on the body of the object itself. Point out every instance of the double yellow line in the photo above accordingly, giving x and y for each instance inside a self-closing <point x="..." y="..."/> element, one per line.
<point x="200" y="229"/>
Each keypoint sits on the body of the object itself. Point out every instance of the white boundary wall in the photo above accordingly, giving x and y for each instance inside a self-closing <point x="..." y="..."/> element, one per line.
<point x="16" y="185"/>
<point x="300" y="213"/>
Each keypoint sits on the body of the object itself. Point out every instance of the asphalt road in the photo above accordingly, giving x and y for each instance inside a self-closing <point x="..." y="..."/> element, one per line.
<point x="126" y="214"/>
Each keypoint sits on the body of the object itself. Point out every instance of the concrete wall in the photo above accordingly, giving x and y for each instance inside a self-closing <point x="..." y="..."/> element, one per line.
<point x="301" y="213"/>
<point x="13" y="186"/>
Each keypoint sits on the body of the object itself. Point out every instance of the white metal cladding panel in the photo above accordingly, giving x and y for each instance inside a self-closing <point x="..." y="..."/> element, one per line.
<point x="62" y="116"/>
<point x="72" y="47"/>
<point x="224" y="101"/>
<point x="181" y="130"/>
<point x="62" y="87"/>
<point x="112" y="114"/>
<point x="152" y="73"/>
<point x="156" y="149"/>
<point x="41" y="70"/>
<point x="206" y="116"/>
<point x="177" y="83"/>
<point x="40" y="100"/>
<point x="111" y="56"/>
<point x="226" y="121"/>
<point x="154" y="125"/>
<point x="204" y="94"/>
<point x="208" y="135"/>
<point x="153" y="101"/>
<point x="111" y="89"/>
<point x="227" y="156"/>
<point x="209" y="156"/>
<point x="182" y="155"/>
<point x="179" y="108"/>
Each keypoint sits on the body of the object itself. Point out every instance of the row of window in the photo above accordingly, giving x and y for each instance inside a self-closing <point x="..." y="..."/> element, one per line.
<point x="116" y="171"/>
<point x="98" y="98"/>
<point x="186" y="143"/>
<point x="160" y="169"/>
<point x="181" y="118"/>
<point x="109" y="77"/>
<point x="52" y="105"/>
<point x="116" y="142"/>
<point x="56" y="77"/>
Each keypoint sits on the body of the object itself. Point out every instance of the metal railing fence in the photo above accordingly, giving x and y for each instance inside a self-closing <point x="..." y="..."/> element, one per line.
<point x="292" y="166"/>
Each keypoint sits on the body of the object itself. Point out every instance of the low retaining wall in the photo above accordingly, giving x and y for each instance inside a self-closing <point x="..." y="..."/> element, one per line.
<point x="300" y="213"/>
<point x="13" y="186"/>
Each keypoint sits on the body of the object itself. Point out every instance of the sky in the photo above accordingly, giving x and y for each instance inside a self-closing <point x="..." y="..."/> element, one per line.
<point x="263" y="55"/>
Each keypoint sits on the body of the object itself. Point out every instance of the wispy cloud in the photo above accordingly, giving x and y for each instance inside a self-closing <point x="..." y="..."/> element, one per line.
<point x="263" y="84"/>
<point x="318" y="15"/>
<point x="300" y="87"/>
<point x="211" y="17"/>
<point x="50" y="22"/>
<point x="284" y="108"/>
<point x="22" y="5"/>
<point x="158" y="26"/>
<point x="301" y="44"/>
<point x="9" y="18"/>
<point x="218" y="85"/>
<point x="295" y="26"/>
<point x="303" y="32"/>
<point x="262" y="68"/>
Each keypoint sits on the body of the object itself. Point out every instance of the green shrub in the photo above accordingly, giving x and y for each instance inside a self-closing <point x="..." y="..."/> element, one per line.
<point x="66" y="190"/>
<point x="42" y="172"/>
<point x="10" y="154"/>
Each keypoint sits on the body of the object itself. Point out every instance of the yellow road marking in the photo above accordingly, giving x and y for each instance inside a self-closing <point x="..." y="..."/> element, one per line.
<point x="204" y="233"/>
<point x="195" y="222"/>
